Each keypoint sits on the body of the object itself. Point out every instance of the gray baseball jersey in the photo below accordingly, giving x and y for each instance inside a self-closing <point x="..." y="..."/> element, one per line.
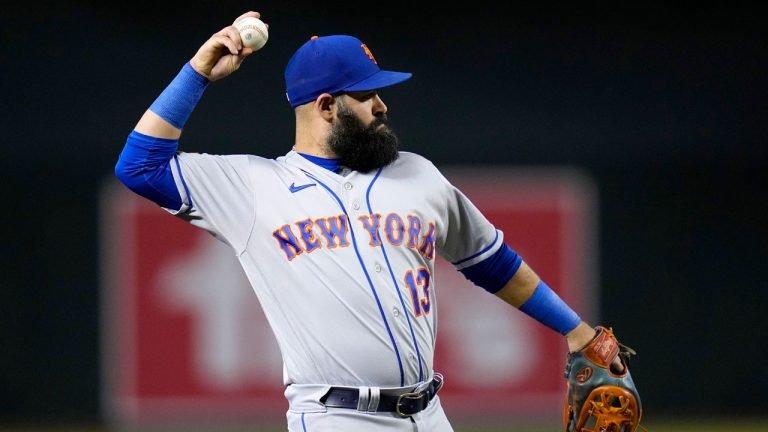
<point x="343" y="265"/>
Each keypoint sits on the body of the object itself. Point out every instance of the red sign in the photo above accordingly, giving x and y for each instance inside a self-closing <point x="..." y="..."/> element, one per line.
<point x="185" y="340"/>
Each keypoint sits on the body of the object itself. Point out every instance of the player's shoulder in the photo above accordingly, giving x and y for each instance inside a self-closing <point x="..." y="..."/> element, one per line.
<point x="415" y="162"/>
<point x="239" y="158"/>
<point x="416" y="168"/>
<point x="242" y="163"/>
<point x="414" y="159"/>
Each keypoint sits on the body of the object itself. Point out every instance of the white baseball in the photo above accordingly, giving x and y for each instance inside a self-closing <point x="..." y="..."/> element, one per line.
<point x="253" y="32"/>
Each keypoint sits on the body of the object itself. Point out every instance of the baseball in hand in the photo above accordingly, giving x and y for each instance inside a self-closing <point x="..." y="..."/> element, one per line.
<point x="253" y="32"/>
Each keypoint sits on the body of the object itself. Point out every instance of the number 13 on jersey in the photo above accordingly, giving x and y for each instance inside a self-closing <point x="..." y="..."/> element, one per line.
<point x="418" y="284"/>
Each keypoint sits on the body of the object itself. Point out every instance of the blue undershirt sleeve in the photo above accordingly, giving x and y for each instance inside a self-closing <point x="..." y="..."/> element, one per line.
<point x="494" y="272"/>
<point x="144" y="167"/>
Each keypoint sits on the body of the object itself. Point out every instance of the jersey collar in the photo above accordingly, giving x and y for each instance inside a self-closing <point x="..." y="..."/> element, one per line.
<point x="295" y="159"/>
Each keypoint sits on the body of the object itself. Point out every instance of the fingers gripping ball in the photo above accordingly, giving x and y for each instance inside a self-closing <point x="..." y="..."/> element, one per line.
<point x="597" y="398"/>
<point x="253" y="32"/>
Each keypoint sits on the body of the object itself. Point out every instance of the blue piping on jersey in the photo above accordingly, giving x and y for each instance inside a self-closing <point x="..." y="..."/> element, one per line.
<point x="370" y="283"/>
<point x="183" y="182"/>
<point x="479" y="253"/>
<point x="394" y="281"/>
<point x="303" y="425"/>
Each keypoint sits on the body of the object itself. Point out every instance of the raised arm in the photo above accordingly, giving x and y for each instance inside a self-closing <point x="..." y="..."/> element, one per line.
<point x="144" y="166"/>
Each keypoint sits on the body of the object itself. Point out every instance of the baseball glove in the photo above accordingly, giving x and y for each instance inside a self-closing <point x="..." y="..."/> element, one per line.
<point x="597" y="398"/>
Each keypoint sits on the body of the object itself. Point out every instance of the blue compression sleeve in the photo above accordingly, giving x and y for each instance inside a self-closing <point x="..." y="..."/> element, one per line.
<point x="144" y="167"/>
<point x="549" y="309"/>
<point x="176" y="103"/>
<point x="494" y="272"/>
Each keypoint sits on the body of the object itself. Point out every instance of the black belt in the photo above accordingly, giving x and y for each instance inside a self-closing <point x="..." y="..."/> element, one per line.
<point x="404" y="404"/>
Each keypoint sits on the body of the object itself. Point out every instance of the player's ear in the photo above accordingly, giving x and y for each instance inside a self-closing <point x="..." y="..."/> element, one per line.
<point x="324" y="105"/>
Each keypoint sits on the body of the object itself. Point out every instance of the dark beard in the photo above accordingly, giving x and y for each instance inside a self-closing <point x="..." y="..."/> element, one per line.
<point x="362" y="148"/>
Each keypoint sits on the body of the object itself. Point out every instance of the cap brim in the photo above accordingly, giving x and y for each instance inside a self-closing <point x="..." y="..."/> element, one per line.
<point x="378" y="80"/>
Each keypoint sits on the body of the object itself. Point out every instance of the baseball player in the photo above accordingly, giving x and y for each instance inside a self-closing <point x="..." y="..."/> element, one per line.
<point x="338" y="237"/>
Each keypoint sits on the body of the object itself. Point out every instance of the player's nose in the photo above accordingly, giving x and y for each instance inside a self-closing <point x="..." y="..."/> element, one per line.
<point x="378" y="105"/>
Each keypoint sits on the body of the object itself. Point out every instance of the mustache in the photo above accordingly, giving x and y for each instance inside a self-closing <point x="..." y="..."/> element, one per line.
<point x="380" y="120"/>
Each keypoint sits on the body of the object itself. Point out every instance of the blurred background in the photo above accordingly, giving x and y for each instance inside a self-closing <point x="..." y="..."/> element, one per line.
<point x="663" y="107"/>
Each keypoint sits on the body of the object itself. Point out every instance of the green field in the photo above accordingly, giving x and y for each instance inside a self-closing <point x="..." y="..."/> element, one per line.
<point x="703" y="425"/>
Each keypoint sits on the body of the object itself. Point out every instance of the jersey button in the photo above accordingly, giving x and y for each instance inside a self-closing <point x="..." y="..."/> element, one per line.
<point x="412" y="357"/>
<point x="395" y="312"/>
<point x="378" y="270"/>
<point x="347" y="186"/>
<point x="356" y="204"/>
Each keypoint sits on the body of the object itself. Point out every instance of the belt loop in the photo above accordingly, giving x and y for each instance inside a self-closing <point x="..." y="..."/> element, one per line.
<point x="373" y="404"/>
<point x="363" y="398"/>
<point x="440" y="381"/>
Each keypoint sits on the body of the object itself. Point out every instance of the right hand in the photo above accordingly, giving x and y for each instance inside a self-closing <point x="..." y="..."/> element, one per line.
<point x="223" y="53"/>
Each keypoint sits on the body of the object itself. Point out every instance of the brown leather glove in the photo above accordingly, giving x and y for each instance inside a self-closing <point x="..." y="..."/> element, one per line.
<point x="598" y="399"/>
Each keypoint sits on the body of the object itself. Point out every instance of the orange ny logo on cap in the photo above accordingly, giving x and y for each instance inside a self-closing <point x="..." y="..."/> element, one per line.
<point x="368" y="53"/>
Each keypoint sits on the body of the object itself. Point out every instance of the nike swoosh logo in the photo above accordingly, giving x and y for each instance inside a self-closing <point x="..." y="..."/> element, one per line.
<point x="293" y="188"/>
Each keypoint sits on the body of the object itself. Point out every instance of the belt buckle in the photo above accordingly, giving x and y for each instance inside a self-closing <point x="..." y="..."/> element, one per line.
<point x="400" y="401"/>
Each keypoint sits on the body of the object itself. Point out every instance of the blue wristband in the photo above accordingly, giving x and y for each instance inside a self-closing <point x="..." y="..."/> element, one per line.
<point x="176" y="103"/>
<point x="549" y="309"/>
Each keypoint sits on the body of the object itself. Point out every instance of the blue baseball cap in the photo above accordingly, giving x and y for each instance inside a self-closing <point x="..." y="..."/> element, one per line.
<point x="332" y="64"/>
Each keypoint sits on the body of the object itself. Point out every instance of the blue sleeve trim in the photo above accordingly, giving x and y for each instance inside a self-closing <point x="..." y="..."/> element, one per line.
<point x="176" y="103"/>
<point x="144" y="167"/>
<point x="479" y="253"/>
<point x="494" y="272"/>
<point x="549" y="309"/>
